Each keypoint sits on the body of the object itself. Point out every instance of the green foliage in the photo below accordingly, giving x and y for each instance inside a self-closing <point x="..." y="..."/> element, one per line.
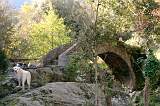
<point x="103" y="66"/>
<point x="3" y="62"/>
<point x="151" y="30"/>
<point x="155" y="81"/>
<point x="71" y="71"/>
<point x="72" y="68"/>
<point x="147" y="6"/>
<point x="154" y="99"/>
<point x="37" y="32"/>
<point x="6" y="24"/>
<point x="138" y="63"/>
<point x="79" y="66"/>
<point x="22" y="22"/>
<point x="46" y="35"/>
<point x="152" y="65"/>
<point x="114" y="18"/>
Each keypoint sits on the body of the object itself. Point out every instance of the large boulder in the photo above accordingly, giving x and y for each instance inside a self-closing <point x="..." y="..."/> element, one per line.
<point x="60" y="94"/>
<point x="41" y="76"/>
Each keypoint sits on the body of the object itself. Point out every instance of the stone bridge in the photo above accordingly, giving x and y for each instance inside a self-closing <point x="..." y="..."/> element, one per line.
<point x="120" y="58"/>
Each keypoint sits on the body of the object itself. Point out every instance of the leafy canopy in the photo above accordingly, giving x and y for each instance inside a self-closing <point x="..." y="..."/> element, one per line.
<point x="46" y="35"/>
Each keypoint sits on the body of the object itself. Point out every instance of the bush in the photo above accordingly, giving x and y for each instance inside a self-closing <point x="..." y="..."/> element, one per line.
<point x="79" y="68"/>
<point x="3" y="63"/>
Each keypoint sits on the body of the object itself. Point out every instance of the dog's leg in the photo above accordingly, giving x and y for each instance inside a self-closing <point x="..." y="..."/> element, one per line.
<point x="23" y="82"/>
<point x="19" y="82"/>
<point x="19" y="77"/>
<point x="28" y="79"/>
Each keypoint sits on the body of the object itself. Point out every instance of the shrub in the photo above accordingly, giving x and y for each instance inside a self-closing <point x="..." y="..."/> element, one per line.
<point x="3" y="63"/>
<point x="79" y="68"/>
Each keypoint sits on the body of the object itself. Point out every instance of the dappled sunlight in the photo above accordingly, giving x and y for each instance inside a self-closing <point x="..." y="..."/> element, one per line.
<point x="157" y="54"/>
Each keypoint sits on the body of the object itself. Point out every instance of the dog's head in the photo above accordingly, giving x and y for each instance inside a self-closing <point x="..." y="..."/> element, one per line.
<point x="16" y="69"/>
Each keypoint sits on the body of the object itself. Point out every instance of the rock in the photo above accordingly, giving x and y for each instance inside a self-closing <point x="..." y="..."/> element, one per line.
<point x="158" y="90"/>
<point x="8" y="87"/>
<point x="136" y="98"/>
<point x="120" y="101"/>
<point x="63" y="60"/>
<point x="60" y="94"/>
<point x="44" y="75"/>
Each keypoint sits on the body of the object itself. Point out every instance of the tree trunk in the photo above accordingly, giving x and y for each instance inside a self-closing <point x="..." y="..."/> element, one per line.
<point x="146" y="92"/>
<point x="108" y="101"/>
<point x="108" y="98"/>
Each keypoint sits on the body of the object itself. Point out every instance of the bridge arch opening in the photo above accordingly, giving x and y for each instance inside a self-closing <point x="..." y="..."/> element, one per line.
<point x="119" y="67"/>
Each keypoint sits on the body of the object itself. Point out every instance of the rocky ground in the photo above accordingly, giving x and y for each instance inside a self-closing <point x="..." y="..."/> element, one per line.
<point x="49" y="89"/>
<point x="60" y="94"/>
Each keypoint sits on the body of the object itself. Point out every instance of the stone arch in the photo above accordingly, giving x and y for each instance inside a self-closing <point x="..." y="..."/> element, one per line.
<point x="117" y="57"/>
<point x="118" y="66"/>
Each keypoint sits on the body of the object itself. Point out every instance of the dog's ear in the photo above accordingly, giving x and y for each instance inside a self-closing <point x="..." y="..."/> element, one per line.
<point x="15" y="68"/>
<point x="15" y="71"/>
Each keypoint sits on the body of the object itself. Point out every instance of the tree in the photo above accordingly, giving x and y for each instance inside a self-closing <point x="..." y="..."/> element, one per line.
<point x="149" y="26"/>
<point x="151" y="67"/>
<point x="38" y="30"/>
<point x="46" y="35"/>
<point x="6" y="24"/>
<point x="24" y="19"/>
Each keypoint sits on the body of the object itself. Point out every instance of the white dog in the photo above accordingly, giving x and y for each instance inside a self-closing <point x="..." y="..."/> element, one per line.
<point x="22" y="76"/>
